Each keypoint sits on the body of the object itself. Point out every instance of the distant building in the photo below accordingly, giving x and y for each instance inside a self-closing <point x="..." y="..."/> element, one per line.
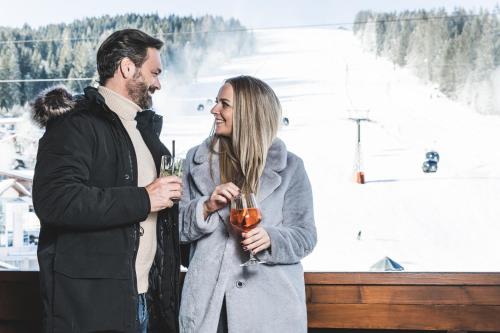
<point x="22" y="177"/>
<point x="19" y="226"/>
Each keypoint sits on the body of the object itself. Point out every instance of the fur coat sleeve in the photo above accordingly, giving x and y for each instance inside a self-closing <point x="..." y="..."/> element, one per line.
<point x="295" y="237"/>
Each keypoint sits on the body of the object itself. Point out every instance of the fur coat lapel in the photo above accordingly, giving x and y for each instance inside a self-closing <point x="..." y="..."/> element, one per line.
<point x="269" y="181"/>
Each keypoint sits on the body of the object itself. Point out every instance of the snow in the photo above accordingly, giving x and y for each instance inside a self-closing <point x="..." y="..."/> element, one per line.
<point x="445" y="221"/>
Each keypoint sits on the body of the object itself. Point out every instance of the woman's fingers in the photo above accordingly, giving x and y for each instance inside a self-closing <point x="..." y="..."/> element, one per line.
<point x="226" y="193"/>
<point x="257" y="238"/>
<point x="235" y="190"/>
<point x="258" y="245"/>
<point x="251" y="239"/>
<point x="229" y="190"/>
<point x="261" y="248"/>
<point x="252" y="232"/>
<point x="220" y="197"/>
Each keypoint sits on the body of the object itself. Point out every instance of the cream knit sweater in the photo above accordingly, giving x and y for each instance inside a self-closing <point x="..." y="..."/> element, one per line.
<point x="146" y="170"/>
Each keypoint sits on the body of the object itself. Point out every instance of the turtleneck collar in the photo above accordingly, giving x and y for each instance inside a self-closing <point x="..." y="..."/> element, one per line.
<point x="123" y="107"/>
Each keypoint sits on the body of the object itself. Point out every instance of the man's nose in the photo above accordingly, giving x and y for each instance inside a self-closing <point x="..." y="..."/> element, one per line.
<point x="157" y="84"/>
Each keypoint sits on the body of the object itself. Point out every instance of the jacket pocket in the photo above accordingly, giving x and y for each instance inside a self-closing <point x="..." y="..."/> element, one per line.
<point x="92" y="293"/>
<point x="93" y="266"/>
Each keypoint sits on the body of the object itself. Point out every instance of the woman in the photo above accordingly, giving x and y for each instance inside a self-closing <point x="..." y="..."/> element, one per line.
<point x="243" y="155"/>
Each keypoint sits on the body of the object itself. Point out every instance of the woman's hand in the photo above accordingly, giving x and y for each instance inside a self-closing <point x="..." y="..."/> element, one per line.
<point x="256" y="240"/>
<point x="219" y="198"/>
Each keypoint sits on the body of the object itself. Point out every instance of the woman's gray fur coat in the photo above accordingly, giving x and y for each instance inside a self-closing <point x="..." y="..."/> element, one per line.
<point x="265" y="298"/>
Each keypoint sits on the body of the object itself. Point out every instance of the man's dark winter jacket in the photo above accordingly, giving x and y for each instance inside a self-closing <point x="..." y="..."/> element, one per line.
<point x="86" y="196"/>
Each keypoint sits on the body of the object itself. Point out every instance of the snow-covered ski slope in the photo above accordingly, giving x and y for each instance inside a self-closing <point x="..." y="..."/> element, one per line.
<point x="447" y="221"/>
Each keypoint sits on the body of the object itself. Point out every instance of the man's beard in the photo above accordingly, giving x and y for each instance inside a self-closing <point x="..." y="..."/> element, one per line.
<point x="139" y="91"/>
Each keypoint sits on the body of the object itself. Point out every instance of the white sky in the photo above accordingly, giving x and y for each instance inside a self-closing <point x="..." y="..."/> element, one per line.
<point x="253" y="13"/>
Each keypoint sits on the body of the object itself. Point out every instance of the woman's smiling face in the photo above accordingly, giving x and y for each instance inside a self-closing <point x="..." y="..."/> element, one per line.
<point x="223" y="111"/>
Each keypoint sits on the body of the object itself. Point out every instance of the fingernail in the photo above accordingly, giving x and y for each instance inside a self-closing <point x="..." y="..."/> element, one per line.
<point x="245" y="248"/>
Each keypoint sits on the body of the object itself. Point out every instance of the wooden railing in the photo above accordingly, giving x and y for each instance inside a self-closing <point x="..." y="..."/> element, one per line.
<point x="411" y="301"/>
<point x="404" y="301"/>
<point x="20" y="305"/>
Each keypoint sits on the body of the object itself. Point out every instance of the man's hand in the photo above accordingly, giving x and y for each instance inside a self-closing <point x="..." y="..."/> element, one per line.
<point x="163" y="191"/>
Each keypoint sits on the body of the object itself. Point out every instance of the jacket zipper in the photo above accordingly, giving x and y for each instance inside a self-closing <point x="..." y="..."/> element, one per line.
<point x="136" y="227"/>
<point x="132" y="162"/>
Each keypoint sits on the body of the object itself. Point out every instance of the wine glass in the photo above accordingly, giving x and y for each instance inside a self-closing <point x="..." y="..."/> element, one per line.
<point x="171" y="166"/>
<point x="245" y="215"/>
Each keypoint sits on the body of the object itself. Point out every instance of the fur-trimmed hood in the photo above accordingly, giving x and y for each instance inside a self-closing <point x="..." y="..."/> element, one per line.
<point x="50" y="103"/>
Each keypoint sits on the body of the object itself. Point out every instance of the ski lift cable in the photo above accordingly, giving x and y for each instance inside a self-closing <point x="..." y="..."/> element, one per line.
<point x="347" y="83"/>
<point x="48" y="80"/>
<point x="348" y="68"/>
<point x="351" y="66"/>
<point x="284" y="27"/>
<point x="391" y="132"/>
<point x="171" y="98"/>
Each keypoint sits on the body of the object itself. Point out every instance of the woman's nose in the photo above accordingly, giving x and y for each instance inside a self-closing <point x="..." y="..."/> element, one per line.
<point x="215" y="109"/>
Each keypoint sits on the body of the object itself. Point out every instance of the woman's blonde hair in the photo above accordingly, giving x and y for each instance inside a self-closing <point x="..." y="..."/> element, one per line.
<point x="256" y="119"/>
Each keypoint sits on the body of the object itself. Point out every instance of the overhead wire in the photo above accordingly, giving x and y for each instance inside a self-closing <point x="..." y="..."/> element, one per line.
<point x="48" y="80"/>
<point x="281" y="27"/>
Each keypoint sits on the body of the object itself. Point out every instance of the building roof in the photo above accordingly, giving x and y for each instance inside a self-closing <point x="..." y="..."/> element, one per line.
<point x="18" y="174"/>
<point x="7" y="184"/>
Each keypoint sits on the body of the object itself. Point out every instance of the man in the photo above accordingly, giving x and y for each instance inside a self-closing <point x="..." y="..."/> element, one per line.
<point x="108" y="249"/>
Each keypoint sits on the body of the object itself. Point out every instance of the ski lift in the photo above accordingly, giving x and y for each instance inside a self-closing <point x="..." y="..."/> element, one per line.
<point x="19" y="164"/>
<point x="432" y="155"/>
<point x="209" y="103"/>
<point x="431" y="162"/>
<point x="429" y="166"/>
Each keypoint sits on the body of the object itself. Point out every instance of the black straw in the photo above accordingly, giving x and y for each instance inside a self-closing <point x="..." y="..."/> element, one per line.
<point x="173" y="148"/>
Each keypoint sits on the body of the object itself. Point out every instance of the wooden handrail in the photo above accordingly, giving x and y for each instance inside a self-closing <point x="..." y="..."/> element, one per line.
<point x="404" y="301"/>
<point x="400" y="278"/>
<point x="410" y="301"/>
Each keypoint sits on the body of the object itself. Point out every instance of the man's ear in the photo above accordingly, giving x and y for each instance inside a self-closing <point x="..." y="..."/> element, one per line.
<point x="126" y="68"/>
